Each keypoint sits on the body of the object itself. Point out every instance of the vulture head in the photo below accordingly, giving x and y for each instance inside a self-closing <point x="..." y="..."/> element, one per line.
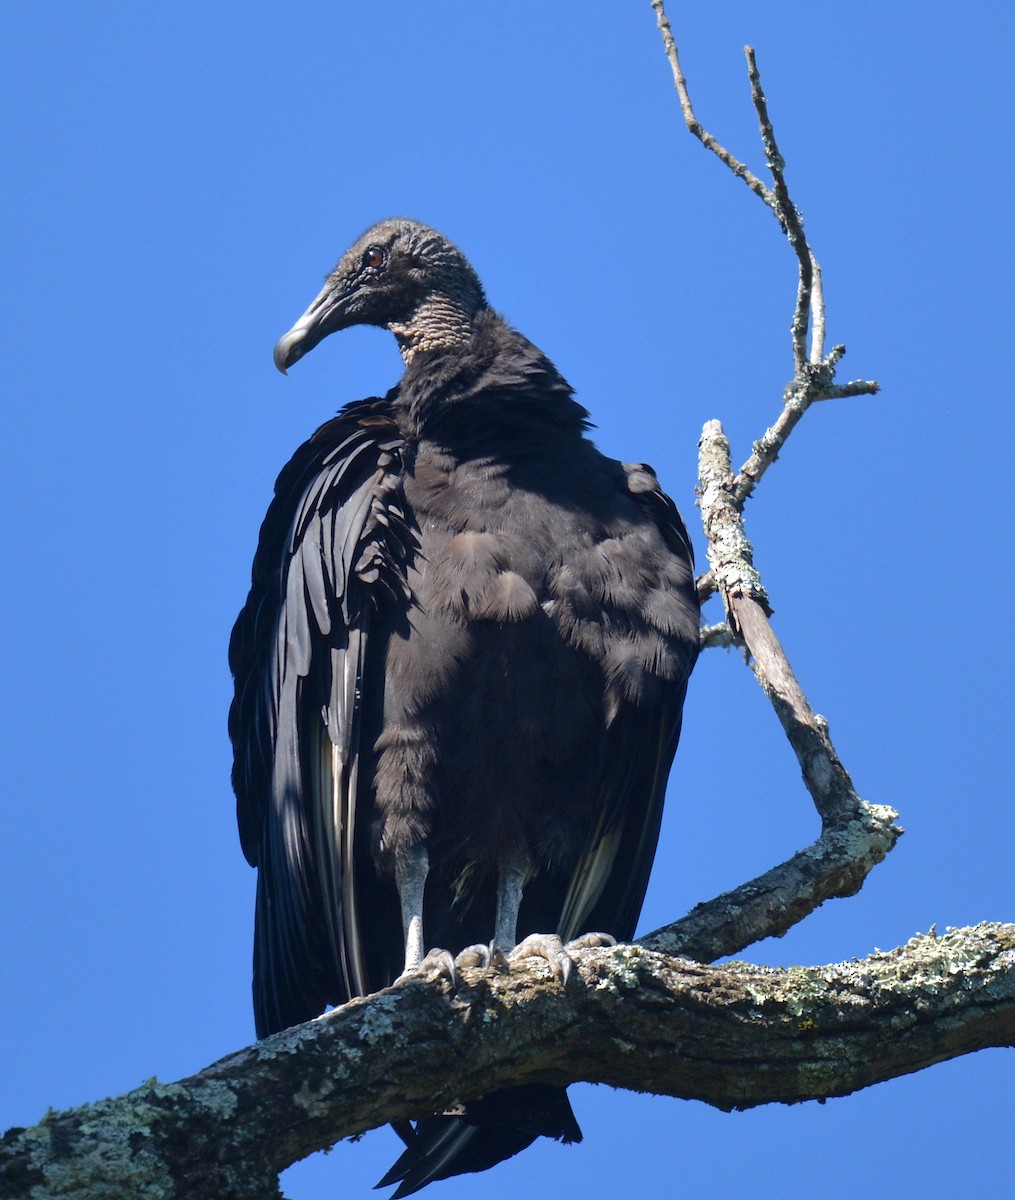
<point x="402" y="276"/>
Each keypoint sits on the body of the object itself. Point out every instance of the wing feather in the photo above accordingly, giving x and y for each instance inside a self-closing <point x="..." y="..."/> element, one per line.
<point x="305" y="709"/>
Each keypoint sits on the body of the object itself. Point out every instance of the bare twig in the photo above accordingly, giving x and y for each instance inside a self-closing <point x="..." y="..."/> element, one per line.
<point x="694" y="125"/>
<point x="705" y="586"/>
<point x="788" y="217"/>
<point x="814" y="383"/>
<point x="813" y="372"/>
<point x="717" y="635"/>
<point x="817" y="312"/>
<point x="856" y="387"/>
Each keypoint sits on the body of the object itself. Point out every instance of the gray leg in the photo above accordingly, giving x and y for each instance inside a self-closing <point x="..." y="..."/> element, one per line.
<point x="410" y="879"/>
<point x="510" y="886"/>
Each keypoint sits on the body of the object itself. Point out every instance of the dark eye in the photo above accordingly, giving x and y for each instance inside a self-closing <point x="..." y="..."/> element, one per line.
<point x="373" y="256"/>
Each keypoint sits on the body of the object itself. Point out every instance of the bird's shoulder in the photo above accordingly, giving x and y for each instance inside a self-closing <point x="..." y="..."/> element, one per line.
<point x="642" y="485"/>
<point x="348" y="473"/>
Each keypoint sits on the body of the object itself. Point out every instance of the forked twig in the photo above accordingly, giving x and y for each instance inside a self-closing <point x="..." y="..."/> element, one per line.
<point x="855" y="835"/>
<point x="692" y="122"/>
<point x="814" y="373"/>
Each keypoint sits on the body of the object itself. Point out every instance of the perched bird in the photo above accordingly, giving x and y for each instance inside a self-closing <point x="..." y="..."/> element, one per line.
<point x="459" y="674"/>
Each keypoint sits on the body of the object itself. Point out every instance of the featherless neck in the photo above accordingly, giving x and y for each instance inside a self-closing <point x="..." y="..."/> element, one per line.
<point x="440" y="322"/>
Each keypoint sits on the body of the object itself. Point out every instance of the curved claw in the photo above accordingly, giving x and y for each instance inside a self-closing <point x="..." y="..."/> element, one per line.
<point x="476" y="955"/>
<point x="549" y="947"/>
<point x="591" y="941"/>
<point x="441" y="962"/>
<point x="483" y="957"/>
<point x="498" y="959"/>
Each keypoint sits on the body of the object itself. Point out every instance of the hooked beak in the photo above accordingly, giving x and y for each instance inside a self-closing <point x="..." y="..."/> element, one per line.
<point x="324" y="316"/>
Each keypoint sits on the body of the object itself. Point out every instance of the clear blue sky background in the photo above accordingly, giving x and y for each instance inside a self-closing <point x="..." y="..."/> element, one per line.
<point x="178" y="180"/>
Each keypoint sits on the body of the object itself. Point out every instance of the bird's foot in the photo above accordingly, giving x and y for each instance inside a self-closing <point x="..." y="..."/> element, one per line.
<point x="591" y="941"/>
<point x="435" y="962"/>
<point x="446" y="965"/>
<point x="482" y="956"/>
<point x="550" y="947"/>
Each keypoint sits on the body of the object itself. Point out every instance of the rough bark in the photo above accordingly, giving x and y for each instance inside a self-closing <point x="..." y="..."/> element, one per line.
<point x="734" y="1036"/>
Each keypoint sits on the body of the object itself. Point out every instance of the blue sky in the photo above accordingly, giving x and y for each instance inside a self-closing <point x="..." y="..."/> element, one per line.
<point x="179" y="179"/>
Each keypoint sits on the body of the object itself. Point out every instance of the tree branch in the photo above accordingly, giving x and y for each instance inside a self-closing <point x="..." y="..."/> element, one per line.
<point x="855" y="836"/>
<point x="692" y="122"/>
<point x="789" y="219"/>
<point x="814" y="383"/>
<point x="814" y="373"/>
<point x="833" y="867"/>
<point x="734" y="1036"/>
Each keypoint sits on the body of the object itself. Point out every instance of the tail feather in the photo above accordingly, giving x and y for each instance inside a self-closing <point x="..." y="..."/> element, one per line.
<point x="489" y="1130"/>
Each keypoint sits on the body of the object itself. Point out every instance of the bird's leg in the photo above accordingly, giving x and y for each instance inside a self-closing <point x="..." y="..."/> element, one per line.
<point x="410" y="879"/>
<point x="548" y="946"/>
<point x="510" y="886"/>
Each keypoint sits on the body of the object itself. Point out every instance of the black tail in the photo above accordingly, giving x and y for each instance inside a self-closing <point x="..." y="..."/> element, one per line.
<point x="487" y="1131"/>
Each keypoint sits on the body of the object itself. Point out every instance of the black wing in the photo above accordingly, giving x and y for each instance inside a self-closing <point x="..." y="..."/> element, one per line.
<point x="306" y="654"/>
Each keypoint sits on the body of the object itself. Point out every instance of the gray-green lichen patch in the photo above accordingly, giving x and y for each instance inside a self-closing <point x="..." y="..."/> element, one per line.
<point x="216" y="1098"/>
<point x="378" y="1021"/>
<point x="870" y="833"/>
<point x="802" y="991"/>
<point x="95" y="1151"/>
<point x="624" y="965"/>
<point x="312" y="1096"/>
<point x="289" y="1041"/>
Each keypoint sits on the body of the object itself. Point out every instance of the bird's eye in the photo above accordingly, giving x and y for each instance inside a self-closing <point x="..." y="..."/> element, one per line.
<point x="373" y="256"/>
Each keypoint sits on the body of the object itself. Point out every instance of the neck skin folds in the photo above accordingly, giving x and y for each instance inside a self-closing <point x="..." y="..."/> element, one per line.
<point x="439" y="323"/>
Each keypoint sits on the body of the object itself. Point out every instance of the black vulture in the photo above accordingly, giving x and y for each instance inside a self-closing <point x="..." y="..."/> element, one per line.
<point x="459" y="674"/>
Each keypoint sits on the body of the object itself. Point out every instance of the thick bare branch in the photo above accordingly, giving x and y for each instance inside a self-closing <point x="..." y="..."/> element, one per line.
<point x="734" y="1036"/>
<point x="731" y="560"/>
<point x="855" y="836"/>
<point x="730" y="553"/>
<point x="833" y="867"/>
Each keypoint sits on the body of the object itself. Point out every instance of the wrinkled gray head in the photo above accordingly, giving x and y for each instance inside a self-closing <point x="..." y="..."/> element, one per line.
<point x="401" y="275"/>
